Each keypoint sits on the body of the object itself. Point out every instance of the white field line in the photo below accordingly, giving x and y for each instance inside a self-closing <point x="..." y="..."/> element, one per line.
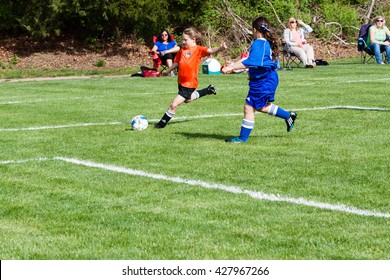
<point x="231" y="189"/>
<point x="57" y="126"/>
<point x="40" y="79"/>
<point x="203" y="184"/>
<point x="186" y="118"/>
<point x="22" y="160"/>
<point x="41" y="100"/>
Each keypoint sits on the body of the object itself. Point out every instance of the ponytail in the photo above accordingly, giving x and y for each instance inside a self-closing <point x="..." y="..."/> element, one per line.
<point x="261" y="24"/>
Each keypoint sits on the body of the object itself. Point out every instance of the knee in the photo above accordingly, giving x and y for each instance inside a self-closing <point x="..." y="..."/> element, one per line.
<point x="173" y="107"/>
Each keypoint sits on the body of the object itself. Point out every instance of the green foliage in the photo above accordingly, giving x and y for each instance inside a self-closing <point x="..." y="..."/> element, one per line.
<point x="100" y="63"/>
<point x="341" y="16"/>
<point x="139" y="19"/>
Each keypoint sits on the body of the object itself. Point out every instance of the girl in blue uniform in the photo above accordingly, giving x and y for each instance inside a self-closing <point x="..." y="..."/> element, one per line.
<point x="263" y="80"/>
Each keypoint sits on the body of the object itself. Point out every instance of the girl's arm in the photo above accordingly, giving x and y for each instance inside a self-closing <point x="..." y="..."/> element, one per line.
<point x="215" y="50"/>
<point x="235" y="66"/>
<point x="173" y="67"/>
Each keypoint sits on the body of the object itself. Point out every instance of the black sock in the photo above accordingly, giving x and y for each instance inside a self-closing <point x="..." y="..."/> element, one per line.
<point x="166" y="118"/>
<point x="203" y="92"/>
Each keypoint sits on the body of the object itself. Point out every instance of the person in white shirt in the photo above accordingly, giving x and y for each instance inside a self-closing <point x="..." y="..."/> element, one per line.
<point x="295" y="42"/>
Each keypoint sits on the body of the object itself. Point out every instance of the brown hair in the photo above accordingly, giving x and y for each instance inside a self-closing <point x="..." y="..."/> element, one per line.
<point x="261" y="24"/>
<point x="193" y="33"/>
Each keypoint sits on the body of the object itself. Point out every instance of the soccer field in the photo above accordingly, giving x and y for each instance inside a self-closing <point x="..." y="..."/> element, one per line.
<point x="77" y="183"/>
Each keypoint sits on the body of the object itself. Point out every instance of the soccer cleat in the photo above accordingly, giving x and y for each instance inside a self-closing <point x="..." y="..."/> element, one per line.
<point x="290" y="121"/>
<point x="235" y="140"/>
<point x="160" y="125"/>
<point x="211" y="89"/>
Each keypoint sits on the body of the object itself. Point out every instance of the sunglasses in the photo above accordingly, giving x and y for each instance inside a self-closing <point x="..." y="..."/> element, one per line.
<point x="293" y="21"/>
<point x="379" y="20"/>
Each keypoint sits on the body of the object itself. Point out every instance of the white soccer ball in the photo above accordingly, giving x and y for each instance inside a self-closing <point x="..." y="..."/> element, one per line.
<point x="139" y="123"/>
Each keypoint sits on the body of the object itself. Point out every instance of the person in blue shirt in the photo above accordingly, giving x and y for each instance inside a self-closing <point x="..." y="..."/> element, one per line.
<point x="263" y="80"/>
<point x="166" y="48"/>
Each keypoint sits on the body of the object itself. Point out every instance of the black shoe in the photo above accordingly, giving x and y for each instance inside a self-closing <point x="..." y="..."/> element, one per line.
<point x="212" y="89"/>
<point x="290" y="121"/>
<point x="160" y="125"/>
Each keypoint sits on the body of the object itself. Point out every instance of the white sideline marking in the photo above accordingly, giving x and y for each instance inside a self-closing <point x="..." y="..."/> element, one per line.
<point x="231" y="189"/>
<point x="39" y="100"/>
<point x="58" y="126"/>
<point x="39" y="79"/>
<point x="22" y="160"/>
<point x="188" y="118"/>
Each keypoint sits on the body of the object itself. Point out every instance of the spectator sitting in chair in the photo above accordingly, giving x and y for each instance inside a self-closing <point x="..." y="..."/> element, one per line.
<point x="294" y="36"/>
<point x="166" y="48"/>
<point x="377" y="39"/>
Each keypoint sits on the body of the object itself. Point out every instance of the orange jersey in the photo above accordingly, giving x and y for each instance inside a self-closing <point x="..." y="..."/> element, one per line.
<point x="189" y="60"/>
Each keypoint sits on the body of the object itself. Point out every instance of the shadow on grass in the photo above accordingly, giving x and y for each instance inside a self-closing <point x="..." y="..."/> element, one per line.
<point x="222" y="137"/>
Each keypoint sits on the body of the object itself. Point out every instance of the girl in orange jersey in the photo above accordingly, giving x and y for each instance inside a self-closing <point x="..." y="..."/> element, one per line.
<point x="188" y="60"/>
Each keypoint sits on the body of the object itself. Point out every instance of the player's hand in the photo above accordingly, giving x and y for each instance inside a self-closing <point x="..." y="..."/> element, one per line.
<point x="164" y="73"/>
<point x="227" y="69"/>
<point x="224" y="46"/>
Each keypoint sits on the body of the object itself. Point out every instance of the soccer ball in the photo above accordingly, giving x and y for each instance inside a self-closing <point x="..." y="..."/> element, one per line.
<point x="139" y="123"/>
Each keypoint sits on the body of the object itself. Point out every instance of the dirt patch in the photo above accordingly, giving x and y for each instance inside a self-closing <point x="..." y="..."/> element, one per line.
<point x="21" y="53"/>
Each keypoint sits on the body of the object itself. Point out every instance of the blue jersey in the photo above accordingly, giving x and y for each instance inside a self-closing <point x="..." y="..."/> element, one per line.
<point x="163" y="47"/>
<point x="263" y="78"/>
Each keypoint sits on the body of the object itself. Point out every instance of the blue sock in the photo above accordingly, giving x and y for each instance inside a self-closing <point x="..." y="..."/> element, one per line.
<point x="275" y="110"/>
<point x="246" y="129"/>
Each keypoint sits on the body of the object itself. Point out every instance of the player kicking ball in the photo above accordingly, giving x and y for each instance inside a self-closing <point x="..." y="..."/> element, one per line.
<point x="188" y="60"/>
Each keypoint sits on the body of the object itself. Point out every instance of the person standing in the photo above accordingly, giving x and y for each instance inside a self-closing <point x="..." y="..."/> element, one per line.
<point x="263" y="80"/>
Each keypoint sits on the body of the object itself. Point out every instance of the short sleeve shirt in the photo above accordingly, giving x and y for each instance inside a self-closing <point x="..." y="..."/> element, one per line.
<point x="163" y="47"/>
<point x="189" y="60"/>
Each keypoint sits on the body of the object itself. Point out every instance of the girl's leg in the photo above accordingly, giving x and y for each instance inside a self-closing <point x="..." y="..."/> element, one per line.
<point x="202" y="92"/>
<point x="170" y="113"/>
<point x="276" y="111"/>
<point x="246" y="126"/>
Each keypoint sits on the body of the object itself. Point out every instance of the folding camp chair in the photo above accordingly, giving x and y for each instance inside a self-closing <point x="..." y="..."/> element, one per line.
<point x="289" y="58"/>
<point x="366" y="54"/>
<point x="157" y="62"/>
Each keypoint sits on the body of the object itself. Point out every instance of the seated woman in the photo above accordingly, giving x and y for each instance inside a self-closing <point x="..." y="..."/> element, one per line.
<point x="166" y="48"/>
<point x="294" y="36"/>
<point x="376" y="39"/>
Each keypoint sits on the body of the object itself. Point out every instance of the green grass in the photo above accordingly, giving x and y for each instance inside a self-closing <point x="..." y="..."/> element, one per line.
<point x="37" y="73"/>
<point x="53" y="209"/>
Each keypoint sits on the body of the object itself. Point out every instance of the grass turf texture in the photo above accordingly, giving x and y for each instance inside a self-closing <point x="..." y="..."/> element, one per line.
<point x="52" y="209"/>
